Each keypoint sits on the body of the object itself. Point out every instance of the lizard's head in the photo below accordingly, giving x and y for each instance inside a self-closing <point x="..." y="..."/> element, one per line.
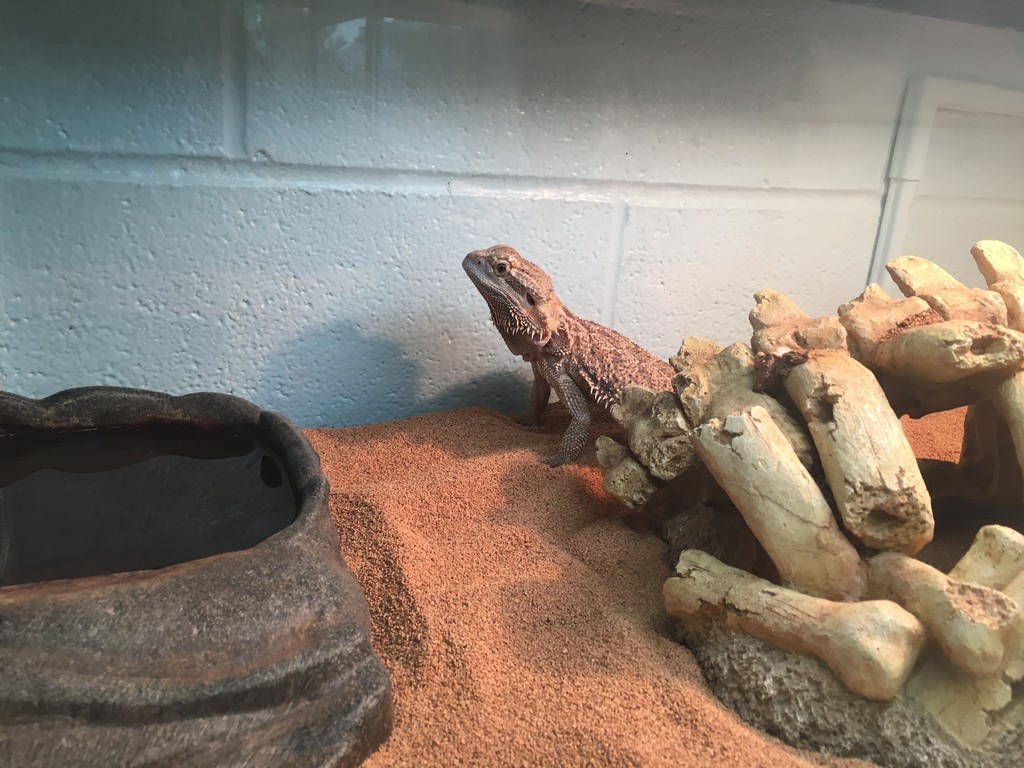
<point x="519" y="293"/>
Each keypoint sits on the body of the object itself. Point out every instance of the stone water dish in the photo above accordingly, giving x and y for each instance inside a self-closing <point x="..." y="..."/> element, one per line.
<point x="172" y="591"/>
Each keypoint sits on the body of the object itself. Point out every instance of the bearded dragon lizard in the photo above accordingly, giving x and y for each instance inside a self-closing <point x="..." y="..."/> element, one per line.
<point x="585" y="363"/>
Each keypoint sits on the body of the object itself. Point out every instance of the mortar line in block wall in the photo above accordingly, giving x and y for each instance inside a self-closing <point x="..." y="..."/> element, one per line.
<point x="616" y="255"/>
<point x="234" y="93"/>
<point x="215" y="171"/>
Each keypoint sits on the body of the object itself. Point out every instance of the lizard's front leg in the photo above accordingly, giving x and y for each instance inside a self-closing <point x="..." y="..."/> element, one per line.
<point x="539" y="396"/>
<point x="575" y="436"/>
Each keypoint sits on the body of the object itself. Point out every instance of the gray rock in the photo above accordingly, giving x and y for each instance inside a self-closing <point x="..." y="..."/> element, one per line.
<point x="257" y="657"/>
<point x="800" y="701"/>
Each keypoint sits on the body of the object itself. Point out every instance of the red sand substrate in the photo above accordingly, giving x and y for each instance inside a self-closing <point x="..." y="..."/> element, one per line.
<point x="519" y="614"/>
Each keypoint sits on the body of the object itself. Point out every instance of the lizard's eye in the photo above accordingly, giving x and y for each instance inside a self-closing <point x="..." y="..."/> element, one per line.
<point x="530" y="300"/>
<point x="501" y="268"/>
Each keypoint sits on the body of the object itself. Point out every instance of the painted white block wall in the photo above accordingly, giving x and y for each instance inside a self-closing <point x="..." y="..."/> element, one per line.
<point x="273" y="200"/>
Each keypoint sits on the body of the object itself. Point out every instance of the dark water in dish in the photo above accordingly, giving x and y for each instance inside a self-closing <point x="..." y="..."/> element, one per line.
<point x="93" y="502"/>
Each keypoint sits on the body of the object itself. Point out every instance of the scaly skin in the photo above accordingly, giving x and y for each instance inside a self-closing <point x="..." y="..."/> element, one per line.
<point x="585" y="363"/>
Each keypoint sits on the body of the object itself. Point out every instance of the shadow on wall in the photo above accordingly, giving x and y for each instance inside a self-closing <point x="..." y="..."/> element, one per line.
<point x="499" y="390"/>
<point x="305" y="379"/>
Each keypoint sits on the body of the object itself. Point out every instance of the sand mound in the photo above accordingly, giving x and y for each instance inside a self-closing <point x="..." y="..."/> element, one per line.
<point x="519" y="614"/>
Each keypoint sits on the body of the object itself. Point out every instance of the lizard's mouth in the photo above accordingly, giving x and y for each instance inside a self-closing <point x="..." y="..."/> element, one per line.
<point x="476" y="269"/>
<point x="474" y="266"/>
<point x="505" y="306"/>
<point x="475" y="273"/>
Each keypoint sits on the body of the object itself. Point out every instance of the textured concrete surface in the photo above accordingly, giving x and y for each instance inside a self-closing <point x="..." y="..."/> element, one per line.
<point x="114" y="77"/>
<point x="272" y="199"/>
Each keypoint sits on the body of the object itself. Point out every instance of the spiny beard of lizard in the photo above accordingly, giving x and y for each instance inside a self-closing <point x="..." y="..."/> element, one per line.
<point x="586" y="364"/>
<point x="511" y="320"/>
